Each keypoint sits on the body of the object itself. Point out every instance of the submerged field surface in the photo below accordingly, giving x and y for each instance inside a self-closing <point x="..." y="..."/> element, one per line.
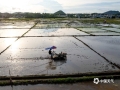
<point x="89" y="50"/>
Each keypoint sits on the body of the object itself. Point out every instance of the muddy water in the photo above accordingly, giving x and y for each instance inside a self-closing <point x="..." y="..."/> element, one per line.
<point x="54" y="31"/>
<point x="12" y="32"/>
<point x="108" y="46"/>
<point x="76" y="86"/>
<point x="28" y="56"/>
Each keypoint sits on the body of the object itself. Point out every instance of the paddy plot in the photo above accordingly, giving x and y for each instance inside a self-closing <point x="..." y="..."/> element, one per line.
<point x="105" y="33"/>
<point x="91" y="29"/>
<point x="101" y="31"/>
<point x="112" y="29"/>
<point x="107" y="46"/>
<point x="48" y="26"/>
<point x="12" y="32"/>
<point x="28" y="56"/>
<point x="16" y="25"/>
<point x="54" y="32"/>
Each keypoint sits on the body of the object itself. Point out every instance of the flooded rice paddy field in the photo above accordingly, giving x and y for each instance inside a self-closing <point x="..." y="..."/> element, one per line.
<point x="22" y="50"/>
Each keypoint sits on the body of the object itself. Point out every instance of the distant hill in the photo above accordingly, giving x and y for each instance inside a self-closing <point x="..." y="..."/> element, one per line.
<point x="111" y="12"/>
<point x="60" y="12"/>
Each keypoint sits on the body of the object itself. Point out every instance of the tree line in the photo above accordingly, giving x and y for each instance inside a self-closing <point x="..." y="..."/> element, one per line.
<point x="27" y="15"/>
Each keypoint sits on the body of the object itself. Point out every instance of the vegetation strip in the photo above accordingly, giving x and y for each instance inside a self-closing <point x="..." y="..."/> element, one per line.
<point x="56" y="80"/>
<point x="59" y="36"/>
<point x="18" y="38"/>
<point x="59" y="75"/>
<point x="99" y="53"/>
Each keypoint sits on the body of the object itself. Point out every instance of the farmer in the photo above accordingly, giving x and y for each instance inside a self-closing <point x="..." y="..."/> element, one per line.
<point x="50" y="52"/>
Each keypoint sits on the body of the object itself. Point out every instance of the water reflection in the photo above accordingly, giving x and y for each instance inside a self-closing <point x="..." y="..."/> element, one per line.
<point x="9" y="41"/>
<point x="55" y="63"/>
<point x="14" y="46"/>
<point x="10" y="33"/>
